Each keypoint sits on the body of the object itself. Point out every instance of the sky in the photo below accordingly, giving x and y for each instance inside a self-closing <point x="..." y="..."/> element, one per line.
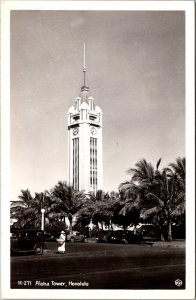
<point x="136" y="73"/>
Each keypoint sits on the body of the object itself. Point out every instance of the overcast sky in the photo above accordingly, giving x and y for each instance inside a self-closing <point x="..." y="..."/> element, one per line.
<point x="136" y="74"/>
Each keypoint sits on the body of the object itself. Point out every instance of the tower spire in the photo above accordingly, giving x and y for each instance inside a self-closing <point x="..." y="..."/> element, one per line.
<point x="84" y="56"/>
<point x="84" y="87"/>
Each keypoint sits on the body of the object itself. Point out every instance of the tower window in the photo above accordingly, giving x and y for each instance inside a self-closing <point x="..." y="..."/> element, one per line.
<point x="76" y="163"/>
<point x="93" y="163"/>
<point x="92" y="118"/>
<point x="75" y="118"/>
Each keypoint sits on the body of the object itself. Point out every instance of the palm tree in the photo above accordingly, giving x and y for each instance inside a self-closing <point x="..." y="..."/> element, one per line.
<point x="143" y="180"/>
<point x="95" y="208"/>
<point x="161" y="193"/>
<point x="17" y="207"/>
<point x="66" y="200"/>
<point x="164" y="202"/>
<point x="130" y="195"/>
<point x="133" y="191"/>
<point x="143" y="174"/>
<point x="179" y="169"/>
<point x="25" y="196"/>
<point x="26" y="211"/>
<point x="100" y="208"/>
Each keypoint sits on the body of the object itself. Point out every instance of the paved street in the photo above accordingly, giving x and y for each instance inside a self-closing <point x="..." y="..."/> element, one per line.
<point x="101" y="266"/>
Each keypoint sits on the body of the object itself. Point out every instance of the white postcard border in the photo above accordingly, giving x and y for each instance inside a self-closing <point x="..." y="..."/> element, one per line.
<point x="6" y="292"/>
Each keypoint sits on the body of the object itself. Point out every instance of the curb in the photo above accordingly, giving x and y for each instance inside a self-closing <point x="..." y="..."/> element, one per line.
<point x="169" y="245"/>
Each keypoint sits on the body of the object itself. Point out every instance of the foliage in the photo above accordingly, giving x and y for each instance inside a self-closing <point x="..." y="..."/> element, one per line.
<point x="96" y="208"/>
<point x="152" y="195"/>
<point x="160" y="194"/>
<point x="66" y="200"/>
<point x="27" y="211"/>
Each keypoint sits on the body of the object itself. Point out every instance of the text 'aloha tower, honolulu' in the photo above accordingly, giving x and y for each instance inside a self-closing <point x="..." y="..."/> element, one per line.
<point x="85" y="142"/>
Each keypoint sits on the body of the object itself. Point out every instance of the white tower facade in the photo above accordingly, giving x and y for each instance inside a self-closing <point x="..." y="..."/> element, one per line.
<point x="85" y="156"/>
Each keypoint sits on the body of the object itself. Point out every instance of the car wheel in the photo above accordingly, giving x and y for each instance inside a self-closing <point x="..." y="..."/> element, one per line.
<point x="72" y="240"/>
<point x="38" y="249"/>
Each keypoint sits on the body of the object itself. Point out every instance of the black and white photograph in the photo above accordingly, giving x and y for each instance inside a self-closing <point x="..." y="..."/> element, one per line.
<point x="97" y="150"/>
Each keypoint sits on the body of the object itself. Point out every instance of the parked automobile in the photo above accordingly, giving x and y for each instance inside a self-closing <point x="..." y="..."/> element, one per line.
<point x="125" y="237"/>
<point x="149" y="232"/>
<point x="50" y="237"/>
<point x="118" y="236"/>
<point x="27" y="240"/>
<point x="132" y="238"/>
<point x="76" y="236"/>
<point x="103" y="236"/>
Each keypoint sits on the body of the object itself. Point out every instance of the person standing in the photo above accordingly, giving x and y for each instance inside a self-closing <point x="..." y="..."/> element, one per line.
<point x="61" y="242"/>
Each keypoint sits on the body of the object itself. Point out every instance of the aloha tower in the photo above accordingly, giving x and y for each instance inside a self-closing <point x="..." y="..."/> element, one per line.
<point x="85" y="161"/>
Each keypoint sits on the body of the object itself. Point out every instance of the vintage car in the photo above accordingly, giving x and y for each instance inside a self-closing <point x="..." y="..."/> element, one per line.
<point x="103" y="236"/>
<point x="149" y="232"/>
<point x="27" y="240"/>
<point x="118" y="237"/>
<point x="75" y="236"/>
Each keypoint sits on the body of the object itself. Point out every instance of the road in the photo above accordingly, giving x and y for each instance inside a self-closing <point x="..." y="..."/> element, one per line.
<point x="101" y="266"/>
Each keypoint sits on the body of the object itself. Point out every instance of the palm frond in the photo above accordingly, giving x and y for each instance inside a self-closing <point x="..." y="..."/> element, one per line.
<point x="29" y="211"/>
<point x="179" y="210"/>
<point x="156" y="199"/>
<point x="18" y="203"/>
<point x="146" y="213"/>
<point x="158" y="163"/>
<point x="126" y="208"/>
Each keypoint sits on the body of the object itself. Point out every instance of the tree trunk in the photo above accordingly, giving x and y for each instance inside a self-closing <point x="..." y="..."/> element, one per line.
<point x="70" y="224"/>
<point x="111" y="227"/>
<point x="70" y="227"/>
<point x="169" y="231"/>
<point x="161" y="234"/>
<point x="162" y="237"/>
<point x="124" y="227"/>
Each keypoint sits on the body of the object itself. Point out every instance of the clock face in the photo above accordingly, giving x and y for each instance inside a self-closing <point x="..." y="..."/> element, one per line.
<point x="75" y="131"/>
<point x="93" y="130"/>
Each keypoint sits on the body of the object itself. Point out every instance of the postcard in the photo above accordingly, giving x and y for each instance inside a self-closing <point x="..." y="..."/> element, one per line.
<point x="97" y="155"/>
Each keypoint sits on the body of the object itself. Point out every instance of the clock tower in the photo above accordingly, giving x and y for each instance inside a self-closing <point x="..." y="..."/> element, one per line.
<point x="85" y="142"/>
